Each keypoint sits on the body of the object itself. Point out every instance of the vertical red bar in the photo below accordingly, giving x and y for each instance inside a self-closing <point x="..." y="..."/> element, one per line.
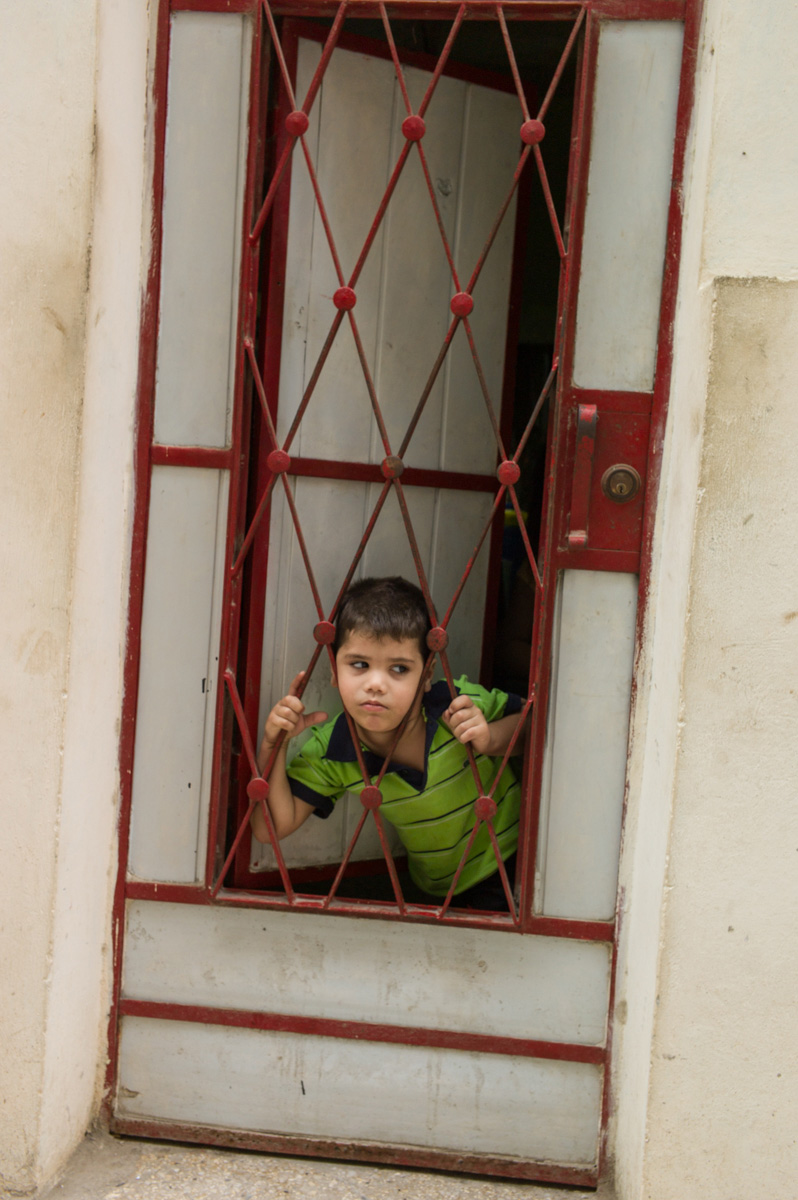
<point x="148" y="343"/>
<point x="236" y="515"/>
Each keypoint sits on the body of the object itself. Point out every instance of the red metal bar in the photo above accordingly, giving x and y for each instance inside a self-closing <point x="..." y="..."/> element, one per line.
<point x="436" y="74"/>
<point x="376" y="1152"/>
<point x="438" y="218"/>
<point x="556" y="77"/>
<point x="324" y="468"/>
<point x="253" y="528"/>
<point x="508" y="892"/>
<point x="366" y="1031"/>
<point x="544" y="183"/>
<point x="508" y="45"/>
<point x="191" y="456"/>
<point x="372" y="391"/>
<point x="450" y="894"/>
<point x="345" y="860"/>
<point x="278" y="50"/>
<point x="497" y="223"/>
<point x="400" y="75"/>
<point x="525" y="539"/>
<point x="326" y="54"/>
<point x="300" y="537"/>
<point x="268" y="202"/>
<point x="508" y="754"/>
<point x="541" y="400"/>
<point x="392" y="872"/>
<point x="428" y="386"/>
<point x="179" y="893"/>
<point x="249" y="750"/>
<point x="483" y="383"/>
<point x="417" y="559"/>
<point x="314" y="378"/>
<point x="375" y="225"/>
<point x="261" y="392"/>
<point x="217" y="6"/>
<point x="148" y="347"/>
<point x="383" y="496"/>
<point x="519" y="10"/>
<point x="474" y="554"/>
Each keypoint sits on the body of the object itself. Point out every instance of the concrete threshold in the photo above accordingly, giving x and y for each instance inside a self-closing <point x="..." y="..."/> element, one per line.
<point x="113" y="1168"/>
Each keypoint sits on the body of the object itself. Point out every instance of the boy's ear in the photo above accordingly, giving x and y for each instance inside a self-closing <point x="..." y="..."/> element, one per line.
<point x="428" y="684"/>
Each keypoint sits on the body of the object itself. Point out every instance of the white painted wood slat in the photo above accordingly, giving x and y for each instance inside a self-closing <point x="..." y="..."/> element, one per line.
<point x="585" y="761"/>
<point x="623" y="253"/>
<point x="339" y="1088"/>
<point x="205" y="157"/>
<point x="308" y="964"/>
<point x="178" y="680"/>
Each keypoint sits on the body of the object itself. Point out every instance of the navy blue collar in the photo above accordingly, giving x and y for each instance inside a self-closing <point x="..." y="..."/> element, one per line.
<point x="341" y="748"/>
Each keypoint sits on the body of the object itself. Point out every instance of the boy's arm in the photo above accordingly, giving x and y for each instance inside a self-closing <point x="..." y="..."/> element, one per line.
<point x="288" y="812"/>
<point x="468" y="724"/>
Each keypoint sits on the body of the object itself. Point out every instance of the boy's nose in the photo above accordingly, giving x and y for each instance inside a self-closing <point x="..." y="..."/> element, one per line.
<point x="375" y="682"/>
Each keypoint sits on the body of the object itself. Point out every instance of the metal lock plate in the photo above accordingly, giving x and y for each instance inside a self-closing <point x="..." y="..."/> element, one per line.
<point x="620" y="483"/>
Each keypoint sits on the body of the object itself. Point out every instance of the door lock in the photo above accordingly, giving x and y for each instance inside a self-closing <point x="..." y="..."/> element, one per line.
<point x="621" y="483"/>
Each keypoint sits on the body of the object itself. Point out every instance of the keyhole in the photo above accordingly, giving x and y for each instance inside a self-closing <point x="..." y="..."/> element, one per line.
<point x="620" y="483"/>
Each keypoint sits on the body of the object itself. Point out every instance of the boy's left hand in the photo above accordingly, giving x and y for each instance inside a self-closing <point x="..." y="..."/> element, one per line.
<point x="468" y="724"/>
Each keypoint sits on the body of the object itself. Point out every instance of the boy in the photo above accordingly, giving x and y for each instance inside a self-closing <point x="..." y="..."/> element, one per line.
<point x="429" y="790"/>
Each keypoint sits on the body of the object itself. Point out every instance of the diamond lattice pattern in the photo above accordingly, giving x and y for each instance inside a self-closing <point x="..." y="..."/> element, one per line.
<point x="341" y="342"/>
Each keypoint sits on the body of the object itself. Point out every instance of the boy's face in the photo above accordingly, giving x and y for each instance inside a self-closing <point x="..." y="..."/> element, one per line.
<point x="377" y="679"/>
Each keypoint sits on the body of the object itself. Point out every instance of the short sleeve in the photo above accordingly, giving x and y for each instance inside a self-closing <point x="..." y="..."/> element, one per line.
<point x="315" y="778"/>
<point x="493" y="704"/>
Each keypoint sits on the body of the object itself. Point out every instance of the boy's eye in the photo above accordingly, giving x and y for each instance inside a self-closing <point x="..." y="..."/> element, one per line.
<point x="399" y="669"/>
<point x="360" y="665"/>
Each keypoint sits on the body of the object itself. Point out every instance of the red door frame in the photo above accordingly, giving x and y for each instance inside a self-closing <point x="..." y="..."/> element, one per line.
<point x="234" y="458"/>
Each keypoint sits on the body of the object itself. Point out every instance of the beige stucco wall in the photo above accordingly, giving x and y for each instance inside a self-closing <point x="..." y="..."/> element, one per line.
<point x="710" y="1114"/>
<point x="72" y="101"/>
<point x="724" y="1085"/>
<point x="47" y="102"/>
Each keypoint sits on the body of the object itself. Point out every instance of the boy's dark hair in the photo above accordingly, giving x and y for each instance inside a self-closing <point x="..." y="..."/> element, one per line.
<point x="384" y="608"/>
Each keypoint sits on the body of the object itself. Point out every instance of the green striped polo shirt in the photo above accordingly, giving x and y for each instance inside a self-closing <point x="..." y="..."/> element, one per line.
<point x="432" y="810"/>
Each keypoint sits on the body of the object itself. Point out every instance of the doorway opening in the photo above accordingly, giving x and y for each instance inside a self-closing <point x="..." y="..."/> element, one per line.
<point x="505" y="356"/>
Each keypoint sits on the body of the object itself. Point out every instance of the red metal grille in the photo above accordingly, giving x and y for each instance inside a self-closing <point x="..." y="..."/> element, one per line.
<point x="396" y="459"/>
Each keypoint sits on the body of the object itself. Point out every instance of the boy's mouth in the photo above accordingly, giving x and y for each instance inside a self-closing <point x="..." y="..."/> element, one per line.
<point x="373" y="706"/>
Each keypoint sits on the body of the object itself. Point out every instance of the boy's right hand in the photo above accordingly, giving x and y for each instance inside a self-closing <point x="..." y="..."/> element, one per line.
<point x="288" y="715"/>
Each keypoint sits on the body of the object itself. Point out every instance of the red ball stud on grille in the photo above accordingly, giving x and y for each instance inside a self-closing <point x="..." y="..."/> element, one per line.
<point x="532" y="132"/>
<point x="437" y="638"/>
<point x="414" y="128"/>
<point x="371" y="797"/>
<point x="485" y="808"/>
<point x="296" y="123"/>
<point x="461" y="304"/>
<point x="324" y="633"/>
<point x="344" y="298"/>
<point x="258" y="789"/>
<point x="278" y="462"/>
<point x="392" y="467"/>
<point x="508" y="472"/>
